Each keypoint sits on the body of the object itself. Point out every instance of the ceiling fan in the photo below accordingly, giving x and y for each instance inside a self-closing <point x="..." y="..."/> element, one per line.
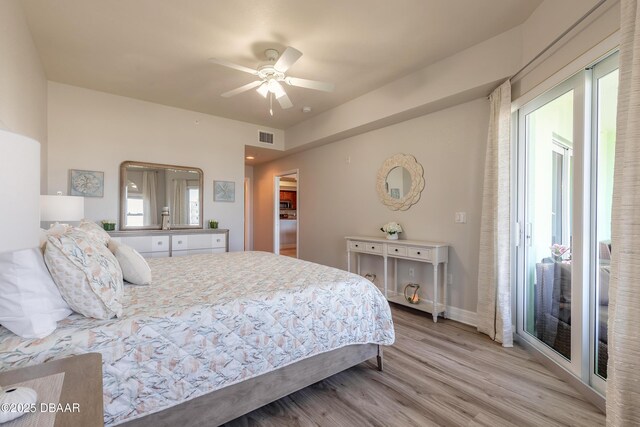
<point x="271" y="74"/>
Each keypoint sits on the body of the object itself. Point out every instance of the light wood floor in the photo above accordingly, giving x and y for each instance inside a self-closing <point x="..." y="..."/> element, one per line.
<point x="289" y="252"/>
<point x="435" y="374"/>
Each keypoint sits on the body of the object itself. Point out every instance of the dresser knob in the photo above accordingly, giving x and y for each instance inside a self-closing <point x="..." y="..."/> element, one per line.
<point x="218" y="240"/>
<point x="179" y="242"/>
<point x="396" y="250"/>
<point x="159" y="243"/>
<point x="373" y="247"/>
<point x="356" y="246"/>
<point x="418" y="252"/>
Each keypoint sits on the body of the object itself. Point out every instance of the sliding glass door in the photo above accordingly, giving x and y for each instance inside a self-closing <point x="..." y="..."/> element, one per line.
<point x="549" y="129"/>
<point x="605" y="99"/>
<point x="565" y="162"/>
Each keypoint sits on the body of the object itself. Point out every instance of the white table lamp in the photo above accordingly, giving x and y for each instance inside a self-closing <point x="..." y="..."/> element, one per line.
<point x="60" y="208"/>
<point x="19" y="192"/>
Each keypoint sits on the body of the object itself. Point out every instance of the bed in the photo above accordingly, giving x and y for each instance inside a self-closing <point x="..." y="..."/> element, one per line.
<point x="216" y="336"/>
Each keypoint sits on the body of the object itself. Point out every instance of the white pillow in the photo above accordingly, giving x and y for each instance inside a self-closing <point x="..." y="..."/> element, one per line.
<point x="87" y="274"/>
<point x="30" y="303"/>
<point x="135" y="269"/>
<point x="95" y="231"/>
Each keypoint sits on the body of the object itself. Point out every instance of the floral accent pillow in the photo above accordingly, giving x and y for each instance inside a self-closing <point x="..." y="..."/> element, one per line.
<point x="95" y="231"/>
<point x="86" y="272"/>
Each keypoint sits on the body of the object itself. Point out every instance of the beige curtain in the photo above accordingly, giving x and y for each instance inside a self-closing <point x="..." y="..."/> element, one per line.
<point x="179" y="212"/>
<point x="494" y="287"/>
<point x="149" y="198"/>
<point x="623" y="371"/>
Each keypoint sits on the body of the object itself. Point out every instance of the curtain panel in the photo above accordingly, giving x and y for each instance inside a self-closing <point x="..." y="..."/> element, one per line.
<point x="494" y="271"/>
<point x="623" y="369"/>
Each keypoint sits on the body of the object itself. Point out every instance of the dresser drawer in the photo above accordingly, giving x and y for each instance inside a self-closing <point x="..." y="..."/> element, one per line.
<point x="397" y="250"/>
<point x="147" y="244"/>
<point x="179" y="243"/>
<point x="219" y="241"/>
<point x="419" y="253"/>
<point x="193" y="242"/>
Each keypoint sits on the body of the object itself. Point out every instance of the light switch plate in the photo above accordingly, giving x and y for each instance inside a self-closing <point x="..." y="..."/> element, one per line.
<point x="461" y="217"/>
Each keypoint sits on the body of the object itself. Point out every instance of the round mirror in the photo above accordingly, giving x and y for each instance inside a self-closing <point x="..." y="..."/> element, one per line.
<point x="400" y="182"/>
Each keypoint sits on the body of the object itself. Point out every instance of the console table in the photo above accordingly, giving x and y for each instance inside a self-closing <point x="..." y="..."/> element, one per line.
<point x="433" y="253"/>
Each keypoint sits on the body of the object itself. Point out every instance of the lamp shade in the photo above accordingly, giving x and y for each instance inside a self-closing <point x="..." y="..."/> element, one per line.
<point x="19" y="192"/>
<point x="61" y="208"/>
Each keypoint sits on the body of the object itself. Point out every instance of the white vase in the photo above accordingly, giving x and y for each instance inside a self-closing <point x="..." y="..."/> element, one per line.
<point x="393" y="236"/>
<point x="20" y="397"/>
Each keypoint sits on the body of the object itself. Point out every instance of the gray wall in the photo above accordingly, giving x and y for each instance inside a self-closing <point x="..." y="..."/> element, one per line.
<point x="337" y="198"/>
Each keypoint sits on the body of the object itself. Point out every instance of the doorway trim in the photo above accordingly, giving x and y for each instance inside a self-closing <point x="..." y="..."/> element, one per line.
<point x="276" y="210"/>
<point x="248" y="214"/>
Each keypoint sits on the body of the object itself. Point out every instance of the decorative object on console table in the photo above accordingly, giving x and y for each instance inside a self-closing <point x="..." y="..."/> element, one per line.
<point x="412" y="297"/>
<point x="86" y="183"/>
<point x="393" y="229"/>
<point x="224" y="191"/>
<point x="213" y="224"/>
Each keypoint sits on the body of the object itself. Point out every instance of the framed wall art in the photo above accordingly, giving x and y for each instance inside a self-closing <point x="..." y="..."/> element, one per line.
<point x="224" y="191"/>
<point x="86" y="183"/>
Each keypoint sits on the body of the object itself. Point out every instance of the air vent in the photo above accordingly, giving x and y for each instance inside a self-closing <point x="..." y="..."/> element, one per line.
<point x="266" y="137"/>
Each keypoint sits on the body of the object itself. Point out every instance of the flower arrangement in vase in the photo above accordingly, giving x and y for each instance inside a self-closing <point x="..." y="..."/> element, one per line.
<point x="393" y="229"/>
<point x="558" y="252"/>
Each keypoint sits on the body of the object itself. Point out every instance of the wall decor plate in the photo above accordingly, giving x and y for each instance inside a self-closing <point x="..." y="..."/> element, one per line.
<point x="224" y="191"/>
<point x="86" y="183"/>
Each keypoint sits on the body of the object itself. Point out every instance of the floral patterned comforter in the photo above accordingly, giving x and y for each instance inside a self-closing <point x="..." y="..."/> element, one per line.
<point x="209" y="321"/>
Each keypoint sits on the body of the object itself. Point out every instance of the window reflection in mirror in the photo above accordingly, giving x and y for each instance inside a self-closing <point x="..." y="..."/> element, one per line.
<point x="398" y="182"/>
<point x="150" y="187"/>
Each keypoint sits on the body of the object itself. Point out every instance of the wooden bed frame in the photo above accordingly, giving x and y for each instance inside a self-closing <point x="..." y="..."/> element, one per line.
<point x="228" y="403"/>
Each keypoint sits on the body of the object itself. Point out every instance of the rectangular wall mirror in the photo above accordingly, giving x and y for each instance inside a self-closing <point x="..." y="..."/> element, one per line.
<point x="145" y="188"/>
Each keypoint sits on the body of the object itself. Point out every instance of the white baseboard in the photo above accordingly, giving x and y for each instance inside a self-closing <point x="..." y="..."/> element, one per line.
<point x="462" y="316"/>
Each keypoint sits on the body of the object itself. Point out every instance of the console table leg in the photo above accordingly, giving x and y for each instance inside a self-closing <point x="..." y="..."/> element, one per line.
<point x="446" y="285"/>
<point x="435" y="292"/>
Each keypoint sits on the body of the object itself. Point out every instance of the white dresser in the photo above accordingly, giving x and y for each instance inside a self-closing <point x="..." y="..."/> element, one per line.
<point x="433" y="253"/>
<point x="166" y="243"/>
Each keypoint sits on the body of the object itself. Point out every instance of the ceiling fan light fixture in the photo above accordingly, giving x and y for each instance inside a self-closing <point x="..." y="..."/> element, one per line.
<point x="263" y="90"/>
<point x="276" y="88"/>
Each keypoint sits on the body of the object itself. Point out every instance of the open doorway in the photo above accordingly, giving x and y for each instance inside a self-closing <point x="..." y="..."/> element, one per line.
<point x="286" y="230"/>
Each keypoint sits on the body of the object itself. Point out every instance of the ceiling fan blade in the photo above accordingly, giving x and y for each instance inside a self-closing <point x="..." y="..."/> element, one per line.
<point x="285" y="102"/>
<point x="234" y="66"/>
<point x="287" y="59"/>
<point x="310" y="84"/>
<point x="241" y="89"/>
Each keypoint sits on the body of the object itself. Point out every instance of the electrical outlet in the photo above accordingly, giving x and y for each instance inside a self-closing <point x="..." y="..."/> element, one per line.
<point x="450" y="278"/>
<point x="412" y="272"/>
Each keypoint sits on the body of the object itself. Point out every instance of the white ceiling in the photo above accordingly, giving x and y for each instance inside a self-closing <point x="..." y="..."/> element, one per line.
<point x="157" y="50"/>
